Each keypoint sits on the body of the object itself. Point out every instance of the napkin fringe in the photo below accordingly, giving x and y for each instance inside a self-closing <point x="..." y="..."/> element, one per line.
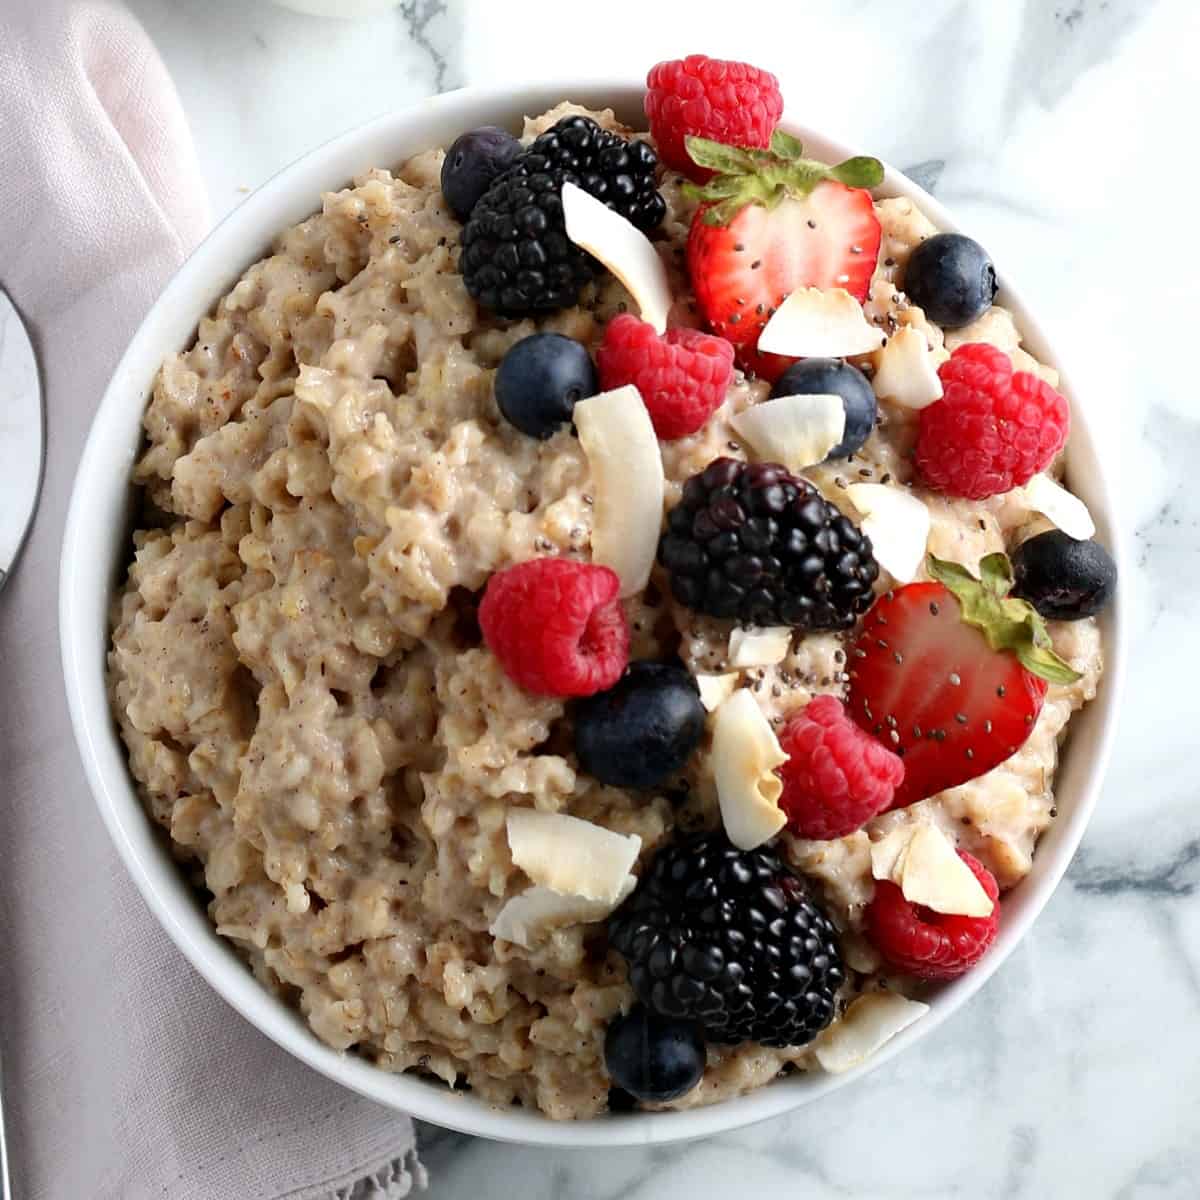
<point x="393" y="1181"/>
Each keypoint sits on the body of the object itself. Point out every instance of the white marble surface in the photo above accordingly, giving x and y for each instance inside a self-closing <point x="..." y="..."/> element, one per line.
<point x="1063" y="134"/>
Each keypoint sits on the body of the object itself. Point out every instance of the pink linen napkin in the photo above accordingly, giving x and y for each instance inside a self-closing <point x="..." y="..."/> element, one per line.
<point x="124" y="1074"/>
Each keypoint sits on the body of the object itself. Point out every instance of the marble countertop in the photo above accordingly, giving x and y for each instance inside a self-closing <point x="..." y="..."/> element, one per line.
<point x="1062" y="132"/>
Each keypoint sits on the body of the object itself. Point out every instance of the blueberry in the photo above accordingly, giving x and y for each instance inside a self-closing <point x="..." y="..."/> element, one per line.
<point x="540" y="380"/>
<point x="1064" y="579"/>
<point x="472" y="162"/>
<point x="832" y="377"/>
<point x="642" y="729"/>
<point x="653" y="1058"/>
<point x="951" y="277"/>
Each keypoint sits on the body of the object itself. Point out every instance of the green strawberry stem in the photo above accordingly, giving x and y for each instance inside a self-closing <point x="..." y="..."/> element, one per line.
<point x="745" y="175"/>
<point x="1006" y="622"/>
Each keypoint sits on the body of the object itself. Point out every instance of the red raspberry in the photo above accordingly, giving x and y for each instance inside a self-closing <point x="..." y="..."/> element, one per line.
<point x="928" y="944"/>
<point x="682" y="375"/>
<point x="729" y="102"/>
<point x="993" y="429"/>
<point x="836" y="777"/>
<point x="556" y="626"/>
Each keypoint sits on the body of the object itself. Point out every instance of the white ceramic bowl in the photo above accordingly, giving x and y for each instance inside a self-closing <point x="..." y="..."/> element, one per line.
<point x="96" y="550"/>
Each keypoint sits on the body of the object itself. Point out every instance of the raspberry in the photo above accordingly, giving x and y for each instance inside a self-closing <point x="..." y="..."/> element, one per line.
<point x="993" y="429"/>
<point x="930" y="945"/>
<point x="556" y="626"/>
<point x="729" y="102"/>
<point x="682" y="376"/>
<point x="836" y="777"/>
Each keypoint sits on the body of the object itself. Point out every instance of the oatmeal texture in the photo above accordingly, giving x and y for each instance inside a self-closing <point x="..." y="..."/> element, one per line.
<point x="299" y="679"/>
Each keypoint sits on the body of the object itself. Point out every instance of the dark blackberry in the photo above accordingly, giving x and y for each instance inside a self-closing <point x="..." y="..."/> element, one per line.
<point x="516" y="257"/>
<point x="730" y="939"/>
<point x="753" y="542"/>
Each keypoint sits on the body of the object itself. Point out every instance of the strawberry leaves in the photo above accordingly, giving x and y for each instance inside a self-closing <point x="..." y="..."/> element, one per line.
<point x="745" y="175"/>
<point x="1006" y="622"/>
<point x="861" y="171"/>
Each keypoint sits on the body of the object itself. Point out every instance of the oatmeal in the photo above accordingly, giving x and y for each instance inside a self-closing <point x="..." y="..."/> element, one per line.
<point x="314" y="717"/>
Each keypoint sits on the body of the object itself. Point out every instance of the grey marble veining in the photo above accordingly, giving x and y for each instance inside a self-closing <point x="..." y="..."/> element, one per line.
<point x="1061" y="133"/>
<point x="429" y="25"/>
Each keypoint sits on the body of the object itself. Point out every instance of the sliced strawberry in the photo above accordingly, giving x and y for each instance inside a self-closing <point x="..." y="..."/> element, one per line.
<point x="951" y="675"/>
<point x="774" y="222"/>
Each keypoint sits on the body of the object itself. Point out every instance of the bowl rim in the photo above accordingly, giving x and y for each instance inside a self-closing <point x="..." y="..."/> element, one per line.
<point x="101" y="489"/>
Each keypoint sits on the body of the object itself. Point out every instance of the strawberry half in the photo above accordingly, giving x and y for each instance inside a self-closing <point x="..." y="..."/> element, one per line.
<point x="951" y="675"/>
<point x="773" y="221"/>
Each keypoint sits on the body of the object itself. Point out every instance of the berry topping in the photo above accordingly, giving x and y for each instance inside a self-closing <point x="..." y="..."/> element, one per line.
<point x="729" y="938"/>
<point x="773" y="222"/>
<point x="517" y="258"/>
<point x="1063" y="579"/>
<point x="642" y="729"/>
<point x="541" y="379"/>
<point x="682" y="376"/>
<point x="472" y="163"/>
<point x="836" y="777"/>
<point x="951" y="675"/>
<point x="832" y="377"/>
<point x="654" y="1058"/>
<point x="951" y="278"/>
<point x="728" y="102"/>
<point x="556" y="626"/>
<point x="927" y="944"/>
<point x="753" y="542"/>
<point x="993" y="429"/>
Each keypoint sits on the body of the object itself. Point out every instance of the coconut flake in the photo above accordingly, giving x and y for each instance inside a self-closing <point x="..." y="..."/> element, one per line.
<point x="1064" y="508"/>
<point x="887" y="854"/>
<point x="869" y="1022"/>
<point x="906" y="372"/>
<point x="797" y="431"/>
<point x="812" y="323"/>
<point x="627" y="482"/>
<point x="716" y="689"/>
<point x="745" y="753"/>
<point x="569" y="855"/>
<point x="932" y="874"/>
<point x="623" y="248"/>
<point x="759" y="647"/>
<point x="526" y="917"/>
<point x="897" y="524"/>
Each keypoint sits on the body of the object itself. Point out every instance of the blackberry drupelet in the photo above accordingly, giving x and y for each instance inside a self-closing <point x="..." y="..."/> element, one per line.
<point x="753" y="542"/>
<point x="516" y="257"/>
<point x="730" y="939"/>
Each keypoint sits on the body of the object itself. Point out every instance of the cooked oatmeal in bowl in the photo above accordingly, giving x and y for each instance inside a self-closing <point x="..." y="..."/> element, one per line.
<point x="592" y="636"/>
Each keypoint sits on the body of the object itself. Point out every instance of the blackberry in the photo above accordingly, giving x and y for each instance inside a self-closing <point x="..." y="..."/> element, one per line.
<point x="516" y="257"/>
<point x="753" y="542"/>
<point x="730" y="939"/>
